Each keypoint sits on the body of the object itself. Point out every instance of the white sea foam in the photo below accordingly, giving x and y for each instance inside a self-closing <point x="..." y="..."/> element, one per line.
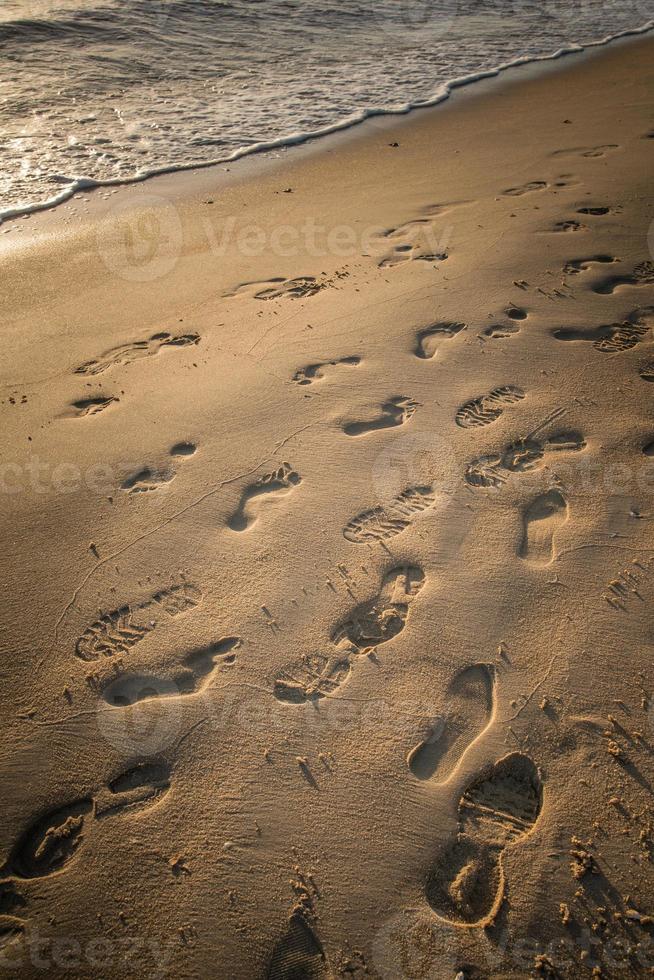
<point x="101" y="96"/>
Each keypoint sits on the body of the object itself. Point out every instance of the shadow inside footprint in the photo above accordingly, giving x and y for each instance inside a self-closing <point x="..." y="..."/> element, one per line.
<point x="396" y="411"/>
<point x="643" y="275"/>
<point x="195" y="676"/>
<point x="373" y="623"/>
<point x="430" y="339"/>
<point x="540" y="521"/>
<point x="53" y="839"/>
<point x="468" y="712"/>
<point x="147" y="479"/>
<point x="318" y="675"/>
<point x="499" y="808"/>
<point x="281" y="481"/>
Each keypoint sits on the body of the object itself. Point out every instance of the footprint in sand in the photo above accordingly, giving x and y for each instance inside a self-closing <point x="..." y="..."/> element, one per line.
<point x="115" y="633"/>
<point x="147" y="479"/>
<point x="598" y="211"/>
<point x="194" y="676"/>
<point x="614" y="337"/>
<point x="587" y="151"/>
<point x="430" y="339"/>
<point x="279" y="288"/>
<point x="497" y="810"/>
<point x="299" y="954"/>
<point x="369" y="625"/>
<point x="643" y="275"/>
<point x="314" y="372"/>
<point x="150" y="478"/>
<point x="280" y="482"/>
<point x="528" y="188"/>
<point x="183" y="449"/>
<point x="417" y="240"/>
<point x="470" y="705"/>
<point x="499" y="331"/>
<point x="576" y="266"/>
<point x="382" y="523"/>
<point x="136" y="350"/>
<point x="570" y="225"/>
<point x="541" y="520"/>
<point x="520" y="457"/>
<point x="52" y="840"/>
<point x="488" y="408"/>
<point x="90" y="406"/>
<point x="396" y="411"/>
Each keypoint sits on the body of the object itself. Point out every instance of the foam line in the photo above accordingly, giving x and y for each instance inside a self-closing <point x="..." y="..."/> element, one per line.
<point x="294" y="139"/>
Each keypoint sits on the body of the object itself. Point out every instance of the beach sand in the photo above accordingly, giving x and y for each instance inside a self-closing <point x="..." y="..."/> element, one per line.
<point x="328" y="553"/>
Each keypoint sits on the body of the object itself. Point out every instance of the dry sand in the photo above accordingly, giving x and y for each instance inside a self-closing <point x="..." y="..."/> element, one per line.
<point x="328" y="553"/>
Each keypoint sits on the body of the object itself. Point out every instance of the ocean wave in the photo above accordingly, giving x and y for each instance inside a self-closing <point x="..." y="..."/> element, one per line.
<point x="149" y="88"/>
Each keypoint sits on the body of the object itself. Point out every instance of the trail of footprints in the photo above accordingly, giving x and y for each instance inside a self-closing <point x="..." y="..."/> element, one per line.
<point x="502" y="804"/>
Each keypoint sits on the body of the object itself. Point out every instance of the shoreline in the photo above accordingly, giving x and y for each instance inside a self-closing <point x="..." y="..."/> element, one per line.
<point x="529" y="66"/>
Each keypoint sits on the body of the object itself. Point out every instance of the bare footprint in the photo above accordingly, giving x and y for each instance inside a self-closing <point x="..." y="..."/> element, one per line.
<point x="396" y="411"/>
<point x="280" y="482"/>
<point x="587" y="151"/>
<point x="614" y="337"/>
<point x="643" y="275"/>
<point x="52" y="840"/>
<point x="576" y="266"/>
<point x="315" y="372"/>
<point x="299" y="954"/>
<point x="127" y="353"/>
<point x="497" y="810"/>
<point x="541" y="520"/>
<point x="528" y="188"/>
<point x="598" y="211"/>
<point x="522" y="456"/>
<point x="488" y="408"/>
<point x="145" y="480"/>
<point x="570" y="225"/>
<point x="469" y="707"/>
<point x="183" y="449"/>
<point x="279" y="288"/>
<point x="430" y="339"/>
<point x="316" y="676"/>
<point x="418" y="239"/>
<point x="195" y="675"/>
<point x="90" y="406"/>
<point x="382" y="523"/>
<point x="499" y="331"/>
